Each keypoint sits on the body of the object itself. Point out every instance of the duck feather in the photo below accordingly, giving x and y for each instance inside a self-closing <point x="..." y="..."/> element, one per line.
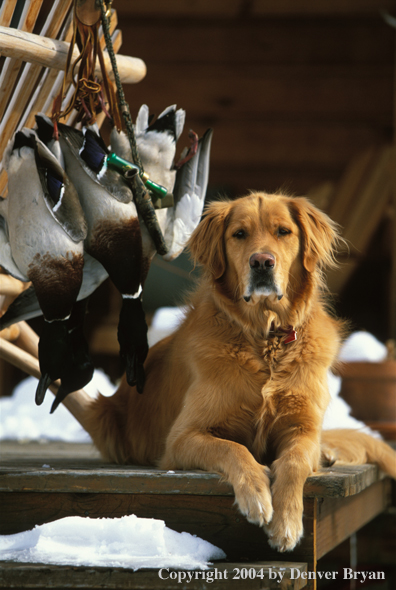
<point x="6" y="260"/>
<point x="91" y="151"/>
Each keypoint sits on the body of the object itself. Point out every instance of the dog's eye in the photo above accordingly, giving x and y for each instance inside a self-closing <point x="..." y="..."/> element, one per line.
<point x="283" y="231"/>
<point x="240" y="234"/>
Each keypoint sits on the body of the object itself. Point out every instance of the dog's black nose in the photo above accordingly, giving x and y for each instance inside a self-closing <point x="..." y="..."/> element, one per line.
<point x="262" y="260"/>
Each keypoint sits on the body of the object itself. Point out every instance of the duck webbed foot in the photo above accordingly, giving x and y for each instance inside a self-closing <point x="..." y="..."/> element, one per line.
<point x="63" y="354"/>
<point x="43" y="384"/>
<point x="54" y="348"/>
<point x="132" y="336"/>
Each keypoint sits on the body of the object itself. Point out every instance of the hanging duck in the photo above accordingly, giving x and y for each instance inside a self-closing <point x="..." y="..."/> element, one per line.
<point x="157" y="146"/>
<point x="113" y="236"/>
<point x="187" y="180"/>
<point x="42" y="230"/>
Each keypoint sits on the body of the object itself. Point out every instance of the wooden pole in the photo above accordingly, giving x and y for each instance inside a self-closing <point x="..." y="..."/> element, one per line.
<point x="11" y="286"/>
<point x="51" y="53"/>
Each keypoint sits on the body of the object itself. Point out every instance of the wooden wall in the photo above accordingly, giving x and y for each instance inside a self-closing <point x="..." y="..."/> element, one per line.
<point x="293" y="89"/>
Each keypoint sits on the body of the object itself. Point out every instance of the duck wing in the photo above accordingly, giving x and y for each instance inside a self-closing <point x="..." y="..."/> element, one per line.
<point x="60" y="195"/>
<point x="58" y="192"/>
<point x="189" y="196"/>
<point x="24" y="307"/>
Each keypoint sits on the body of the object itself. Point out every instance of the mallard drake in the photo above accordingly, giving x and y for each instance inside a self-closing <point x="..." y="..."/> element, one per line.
<point x="42" y="232"/>
<point x="157" y="147"/>
<point x="156" y="143"/>
<point x="113" y="235"/>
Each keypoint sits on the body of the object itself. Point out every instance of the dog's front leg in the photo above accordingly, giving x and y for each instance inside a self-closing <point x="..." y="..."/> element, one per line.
<point x="191" y="447"/>
<point x="298" y="455"/>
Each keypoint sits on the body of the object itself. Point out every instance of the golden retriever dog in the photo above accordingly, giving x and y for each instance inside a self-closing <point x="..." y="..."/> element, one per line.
<point x="241" y="387"/>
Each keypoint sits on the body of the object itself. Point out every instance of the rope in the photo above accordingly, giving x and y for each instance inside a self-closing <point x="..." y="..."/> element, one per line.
<point x="87" y="96"/>
<point x="123" y="105"/>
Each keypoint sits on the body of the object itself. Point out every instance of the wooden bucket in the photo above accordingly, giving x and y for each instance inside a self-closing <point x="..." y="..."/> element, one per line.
<point x="370" y="390"/>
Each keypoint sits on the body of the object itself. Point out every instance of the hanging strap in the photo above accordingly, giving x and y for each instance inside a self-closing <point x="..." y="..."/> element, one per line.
<point x="87" y="97"/>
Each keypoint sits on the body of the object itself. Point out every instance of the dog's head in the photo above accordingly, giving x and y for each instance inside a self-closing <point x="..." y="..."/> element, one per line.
<point x="257" y="246"/>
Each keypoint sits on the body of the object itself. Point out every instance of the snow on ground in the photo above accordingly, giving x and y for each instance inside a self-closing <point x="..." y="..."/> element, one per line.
<point x="338" y="413"/>
<point x="165" y="321"/>
<point x="128" y="542"/>
<point x="21" y="419"/>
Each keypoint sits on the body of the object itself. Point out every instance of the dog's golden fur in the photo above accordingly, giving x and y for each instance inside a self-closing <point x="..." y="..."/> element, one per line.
<point x="225" y="392"/>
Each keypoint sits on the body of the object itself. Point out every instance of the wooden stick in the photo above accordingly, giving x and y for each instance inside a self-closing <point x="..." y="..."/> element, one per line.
<point x="11" y="67"/>
<point x="28" y="339"/>
<point x="16" y="99"/>
<point x="19" y="358"/>
<point x="11" y="286"/>
<point x="10" y="334"/>
<point x="51" y="53"/>
<point x="6" y="13"/>
<point x="3" y="183"/>
<point x="77" y="402"/>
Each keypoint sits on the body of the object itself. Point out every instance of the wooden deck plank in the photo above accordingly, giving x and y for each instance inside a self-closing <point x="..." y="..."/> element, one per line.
<point x="74" y="468"/>
<point x="36" y="575"/>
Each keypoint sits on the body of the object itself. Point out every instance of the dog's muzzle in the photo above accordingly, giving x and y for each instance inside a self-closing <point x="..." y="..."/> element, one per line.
<point x="262" y="279"/>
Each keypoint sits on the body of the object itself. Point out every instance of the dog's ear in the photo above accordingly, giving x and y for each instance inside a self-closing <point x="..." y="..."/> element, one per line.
<point x="319" y="234"/>
<point x="207" y="241"/>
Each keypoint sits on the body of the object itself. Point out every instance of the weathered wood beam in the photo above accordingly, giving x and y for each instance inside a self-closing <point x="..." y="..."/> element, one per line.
<point x="51" y="53"/>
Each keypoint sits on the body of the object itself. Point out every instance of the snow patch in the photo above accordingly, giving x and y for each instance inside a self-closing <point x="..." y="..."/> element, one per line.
<point x="128" y="542"/>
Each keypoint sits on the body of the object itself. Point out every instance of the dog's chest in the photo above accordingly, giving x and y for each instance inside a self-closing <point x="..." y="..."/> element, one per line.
<point x="273" y="351"/>
<point x="249" y="371"/>
<point x="254" y="362"/>
<point x="263" y="355"/>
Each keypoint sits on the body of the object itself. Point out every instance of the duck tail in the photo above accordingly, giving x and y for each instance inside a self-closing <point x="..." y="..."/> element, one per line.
<point x="45" y="128"/>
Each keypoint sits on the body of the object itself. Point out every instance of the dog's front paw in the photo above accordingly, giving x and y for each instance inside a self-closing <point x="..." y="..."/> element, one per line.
<point x="253" y="497"/>
<point x="285" y="531"/>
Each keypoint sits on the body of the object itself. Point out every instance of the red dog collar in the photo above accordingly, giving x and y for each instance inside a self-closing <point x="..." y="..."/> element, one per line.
<point x="289" y="331"/>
